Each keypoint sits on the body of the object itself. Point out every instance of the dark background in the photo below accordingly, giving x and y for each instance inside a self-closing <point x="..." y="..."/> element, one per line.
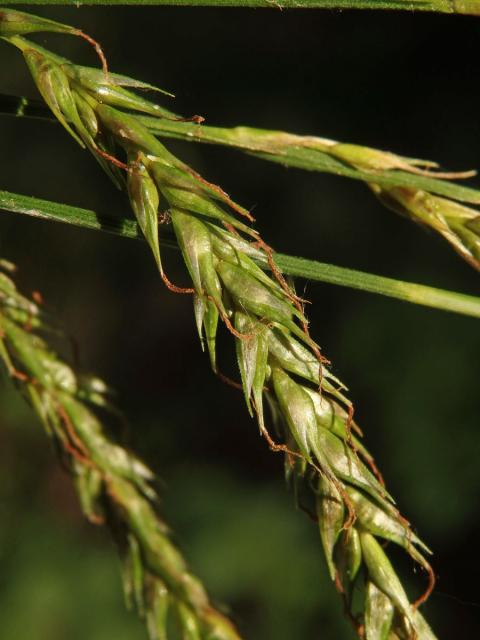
<point x="403" y="82"/>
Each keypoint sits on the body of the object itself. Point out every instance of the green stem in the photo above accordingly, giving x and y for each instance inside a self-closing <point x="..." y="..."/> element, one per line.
<point x="440" y="6"/>
<point x="302" y="152"/>
<point x="290" y="265"/>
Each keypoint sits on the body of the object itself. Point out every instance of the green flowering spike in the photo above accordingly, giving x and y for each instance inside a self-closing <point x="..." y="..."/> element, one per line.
<point x="158" y="603"/>
<point x="17" y="23"/>
<point x="380" y="523"/>
<point x="383" y="575"/>
<point x="331" y="515"/>
<point x="378" y="614"/>
<point x="54" y="86"/>
<point x="297" y="408"/>
<point x="144" y="198"/>
<point x="89" y="485"/>
<point x="112" y="484"/>
<point x="458" y="224"/>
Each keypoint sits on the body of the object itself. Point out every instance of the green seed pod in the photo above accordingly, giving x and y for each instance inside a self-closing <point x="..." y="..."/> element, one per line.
<point x="184" y="192"/>
<point x="87" y="115"/>
<point x="223" y="238"/>
<point x="210" y="323"/>
<point x="253" y="296"/>
<point x="110" y="91"/>
<point x="26" y="347"/>
<point x="62" y="375"/>
<point x="199" y="309"/>
<point x="367" y="158"/>
<point x="144" y="198"/>
<point x="133" y="575"/>
<point x="159" y="554"/>
<point x="194" y="240"/>
<point x="228" y="251"/>
<point x="422" y="628"/>
<point x="293" y="356"/>
<point x="107" y="455"/>
<point x="297" y="408"/>
<point x="157" y="607"/>
<point x="378" y="614"/>
<point x="17" y="23"/>
<point x="344" y="462"/>
<point x="89" y="485"/>
<point x="188" y="622"/>
<point x="54" y="86"/>
<point x="331" y="514"/>
<point x="348" y="556"/>
<point x="218" y="627"/>
<point x="383" y="575"/>
<point x="128" y="131"/>
<point x="252" y="355"/>
<point x="332" y="416"/>
<point x="94" y="391"/>
<point x="469" y="235"/>
<point x="380" y="523"/>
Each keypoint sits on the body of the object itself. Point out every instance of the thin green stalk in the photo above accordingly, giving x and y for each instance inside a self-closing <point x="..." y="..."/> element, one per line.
<point x="307" y="152"/>
<point x="289" y="265"/>
<point x="410" y="187"/>
<point x="440" y="6"/>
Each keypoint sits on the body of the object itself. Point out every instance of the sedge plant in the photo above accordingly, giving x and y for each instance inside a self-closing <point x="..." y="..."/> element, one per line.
<point x="301" y="408"/>
<point x="279" y="362"/>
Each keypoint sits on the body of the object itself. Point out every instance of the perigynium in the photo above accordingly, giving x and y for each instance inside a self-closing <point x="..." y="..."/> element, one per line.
<point x="278" y="359"/>
<point x="115" y="488"/>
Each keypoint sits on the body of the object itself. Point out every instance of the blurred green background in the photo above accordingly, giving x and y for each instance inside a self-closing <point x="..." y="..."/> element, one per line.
<point x="404" y="82"/>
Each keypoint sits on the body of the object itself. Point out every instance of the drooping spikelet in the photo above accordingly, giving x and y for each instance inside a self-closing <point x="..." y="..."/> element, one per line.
<point x="278" y="360"/>
<point x="114" y="487"/>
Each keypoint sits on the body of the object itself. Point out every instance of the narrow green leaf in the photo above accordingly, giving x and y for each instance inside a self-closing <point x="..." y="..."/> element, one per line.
<point x="301" y="267"/>
<point x="441" y="6"/>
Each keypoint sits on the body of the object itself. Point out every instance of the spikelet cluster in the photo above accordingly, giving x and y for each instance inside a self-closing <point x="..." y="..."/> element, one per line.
<point x="114" y="486"/>
<point x="278" y="361"/>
